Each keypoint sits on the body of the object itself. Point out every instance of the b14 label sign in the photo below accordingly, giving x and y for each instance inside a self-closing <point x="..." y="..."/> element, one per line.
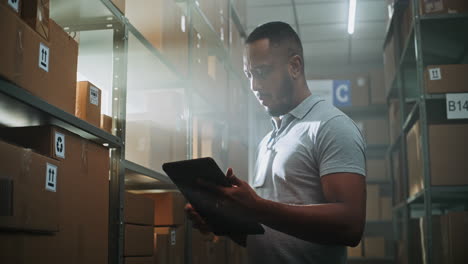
<point x="457" y="105"/>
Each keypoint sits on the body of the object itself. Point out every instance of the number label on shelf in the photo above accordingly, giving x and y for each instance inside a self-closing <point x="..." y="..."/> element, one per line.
<point x="94" y="95"/>
<point x="14" y="4"/>
<point x="44" y="57"/>
<point x="51" y="177"/>
<point x="434" y="74"/>
<point x="457" y="105"/>
<point x="60" y="145"/>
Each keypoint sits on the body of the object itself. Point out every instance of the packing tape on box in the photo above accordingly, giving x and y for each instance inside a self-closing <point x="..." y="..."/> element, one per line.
<point x="18" y="54"/>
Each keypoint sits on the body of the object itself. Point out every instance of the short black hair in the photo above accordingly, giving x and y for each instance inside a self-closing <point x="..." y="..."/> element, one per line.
<point x="277" y="33"/>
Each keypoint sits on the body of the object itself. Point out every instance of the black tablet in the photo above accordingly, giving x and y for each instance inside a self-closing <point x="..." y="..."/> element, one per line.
<point x="221" y="215"/>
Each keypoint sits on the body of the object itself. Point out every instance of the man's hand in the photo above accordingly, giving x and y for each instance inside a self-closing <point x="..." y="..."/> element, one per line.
<point x="240" y="194"/>
<point x="197" y="220"/>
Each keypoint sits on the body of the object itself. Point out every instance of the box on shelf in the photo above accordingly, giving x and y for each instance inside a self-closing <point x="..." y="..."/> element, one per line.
<point x="106" y="123"/>
<point x="45" y="68"/>
<point x="138" y="209"/>
<point x="405" y="24"/>
<point x="30" y="190"/>
<point x="168" y="208"/>
<point x="374" y="247"/>
<point x="36" y="14"/>
<point x="373" y="202"/>
<point x="386" y="212"/>
<point x="398" y="190"/>
<point x="377" y="87"/>
<point x="169" y="245"/>
<point x="139" y="260"/>
<point x="443" y="6"/>
<point x="375" y="131"/>
<point x="390" y="63"/>
<point x="447" y="153"/>
<point x="88" y="103"/>
<point x="376" y="169"/>
<point x="84" y="197"/>
<point x="446" y="78"/>
<point x="355" y="252"/>
<point x="138" y="241"/>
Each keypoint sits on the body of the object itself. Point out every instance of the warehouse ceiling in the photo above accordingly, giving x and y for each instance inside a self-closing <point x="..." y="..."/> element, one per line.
<point x="322" y="26"/>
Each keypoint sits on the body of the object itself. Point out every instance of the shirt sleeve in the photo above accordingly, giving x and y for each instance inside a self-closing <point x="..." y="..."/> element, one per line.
<point x="340" y="147"/>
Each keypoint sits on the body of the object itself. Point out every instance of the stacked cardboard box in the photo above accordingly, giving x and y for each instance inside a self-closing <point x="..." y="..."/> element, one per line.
<point x="120" y="4"/>
<point x="168" y="227"/>
<point x="83" y="181"/>
<point x="88" y="103"/>
<point x="374" y="247"/>
<point x="139" y="219"/>
<point x="373" y="202"/>
<point x="46" y="67"/>
<point x="450" y="78"/>
<point x="377" y="87"/>
<point x="390" y="62"/>
<point x="376" y="169"/>
<point x="106" y="123"/>
<point x="375" y="131"/>
<point x="394" y="120"/>
<point x="447" y="152"/>
<point x="355" y="252"/>
<point x="443" y="6"/>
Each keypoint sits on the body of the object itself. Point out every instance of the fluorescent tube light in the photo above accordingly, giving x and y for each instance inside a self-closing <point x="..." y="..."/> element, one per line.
<point x="351" y="16"/>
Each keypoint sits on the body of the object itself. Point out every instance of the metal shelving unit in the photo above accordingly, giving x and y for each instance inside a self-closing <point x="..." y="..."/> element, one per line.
<point x="427" y="33"/>
<point x="20" y="108"/>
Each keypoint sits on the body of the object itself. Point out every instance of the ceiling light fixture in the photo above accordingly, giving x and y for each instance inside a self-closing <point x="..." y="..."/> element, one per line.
<point x="351" y="16"/>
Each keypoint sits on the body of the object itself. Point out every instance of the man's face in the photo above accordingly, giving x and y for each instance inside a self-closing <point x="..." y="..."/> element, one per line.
<point x="267" y="70"/>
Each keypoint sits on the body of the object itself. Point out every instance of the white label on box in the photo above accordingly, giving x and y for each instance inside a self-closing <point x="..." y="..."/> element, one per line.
<point x="94" y="95"/>
<point x="173" y="237"/>
<point x="44" y="57"/>
<point x="182" y="23"/>
<point x="60" y="145"/>
<point x="14" y="4"/>
<point x="434" y="74"/>
<point x="51" y="177"/>
<point x="457" y="106"/>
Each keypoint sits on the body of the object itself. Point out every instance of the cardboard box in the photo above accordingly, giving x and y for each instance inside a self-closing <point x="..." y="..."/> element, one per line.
<point x="447" y="154"/>
<point x="84" y="197"/>
<point x="138" y="209"/>
<point x="377" y="87"/>
<point x="88" y="103"/>
<point x="168" y="208"/>
<point x="374" y="247"/>
<point x="376" y="131"/>
<point x="446" y="78"/>
<point x="47" y="69"/>
<point x="376" y="169"/>
<point x="456" y="226"/>
<point x="106" y="123"/>
<point x="398" y="187"/>
<point x="390" y="63"/>
<point x="138" y="240"/>
<point x="355" y="252"/>
<point x="169" y="245"/>
<point x="373" y="202"/>
<point x="36" y="14"/>
<point x="386" y="209"/>
<point x="139" y="12"/>
<point x="120" y="4"/>
<point x="443" y="6"/>
<point x="30" y="187"/>
<point x="394" y="120"/>
<point x="139" y="260"/>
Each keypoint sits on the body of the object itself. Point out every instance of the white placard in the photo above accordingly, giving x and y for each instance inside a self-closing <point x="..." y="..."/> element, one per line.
<point x="51" y="178"/>
<point x="173" y="237"/>
<point x="457" y="105"/>
<point x="14" y="4"/>
<point x="43" y="57"/>
<point x="94" y="95"/>
<point x="59" y="145"/>
<point x="435" y="74"/>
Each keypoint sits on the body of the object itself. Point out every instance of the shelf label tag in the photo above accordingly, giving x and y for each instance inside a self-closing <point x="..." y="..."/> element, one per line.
<point x="94" y="95"/>
<point x="60" y="145"/>
<point x="457" y="105"/>
<point x="51" y="177"/>
<point x="173" y="237"/>
<point x="14" y="4"/>
<point x="44" y="57"/>
<point x="434" y="74"/>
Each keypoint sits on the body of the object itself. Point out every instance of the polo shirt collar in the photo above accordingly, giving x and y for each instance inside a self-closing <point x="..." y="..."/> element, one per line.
<point x="305" y="106"/>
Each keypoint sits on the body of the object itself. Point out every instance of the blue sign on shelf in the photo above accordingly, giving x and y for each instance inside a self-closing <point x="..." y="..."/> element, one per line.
<point x="342" y="93"/>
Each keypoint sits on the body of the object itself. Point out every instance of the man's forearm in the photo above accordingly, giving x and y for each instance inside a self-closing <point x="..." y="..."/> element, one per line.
<point x="331" y="223"/>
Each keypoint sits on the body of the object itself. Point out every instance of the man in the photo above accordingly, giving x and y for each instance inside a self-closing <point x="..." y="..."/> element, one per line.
<point x="309" y="187"/>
